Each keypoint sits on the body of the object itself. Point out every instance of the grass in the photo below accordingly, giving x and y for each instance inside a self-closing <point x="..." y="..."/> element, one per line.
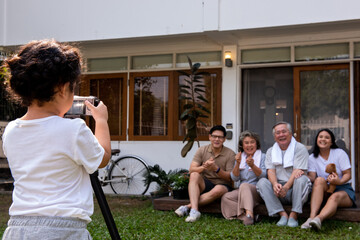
<point x="136" y="219"/>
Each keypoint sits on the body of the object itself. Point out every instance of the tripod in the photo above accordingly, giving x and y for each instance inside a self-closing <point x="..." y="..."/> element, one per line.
<point x="105" y="210"/>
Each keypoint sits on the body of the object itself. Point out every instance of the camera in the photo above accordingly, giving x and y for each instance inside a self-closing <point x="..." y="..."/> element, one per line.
<point x="79" y="108"/>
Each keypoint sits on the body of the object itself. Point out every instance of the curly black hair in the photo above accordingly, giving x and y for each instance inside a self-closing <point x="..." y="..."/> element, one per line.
<point x="40" y="68"/>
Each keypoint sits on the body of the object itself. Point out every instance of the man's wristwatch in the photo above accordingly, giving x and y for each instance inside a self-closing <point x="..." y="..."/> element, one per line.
<point x="218" y="170"/>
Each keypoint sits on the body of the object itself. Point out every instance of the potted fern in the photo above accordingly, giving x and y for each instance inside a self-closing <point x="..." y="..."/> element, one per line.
<point x="180" y="185"/>
<point x="165" y="180"/>
<point x="193" y="93"/>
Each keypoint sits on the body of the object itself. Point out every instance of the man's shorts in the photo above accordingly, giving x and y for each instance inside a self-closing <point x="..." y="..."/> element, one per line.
<point x="209" y="185"/>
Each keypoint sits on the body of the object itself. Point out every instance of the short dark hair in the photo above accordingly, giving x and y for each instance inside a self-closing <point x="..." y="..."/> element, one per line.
<point x="218" y="128"/>
<point x="40" y="68"/>
<point x="245" y="134"/>
<point x="316" y="149"/>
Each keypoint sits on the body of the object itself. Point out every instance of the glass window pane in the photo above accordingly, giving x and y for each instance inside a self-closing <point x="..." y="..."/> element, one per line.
<point x="204" y="58"/>
<point x="357" y="50"/>
<point x="210" y="95"/>
<point x="322" y="52"/>
<point x="267" y="99"/>
<point x="106" y="64"/>
<point x="110" y="92"/>
<point x="325" y="104"/>
<point x="151" y="106"/>
<point x="151" y="62"/>
<point x="267" y="55"/>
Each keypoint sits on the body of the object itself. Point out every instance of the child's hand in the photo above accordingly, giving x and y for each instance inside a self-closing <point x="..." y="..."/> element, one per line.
<point x="99" y="112"/>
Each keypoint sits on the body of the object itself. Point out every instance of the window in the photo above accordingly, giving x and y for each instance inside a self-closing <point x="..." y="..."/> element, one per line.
<point x="322" y="52"/>
<point x="151" y="61"/>
<point x="265" y="55"/>
<point x="111" y="89"/>
<point x="213" y="95"/>
<point x="106" y="64"/>
<point x="205" y="58"/>
<point x="149" y="105"/>
<point x="154" y="105"/>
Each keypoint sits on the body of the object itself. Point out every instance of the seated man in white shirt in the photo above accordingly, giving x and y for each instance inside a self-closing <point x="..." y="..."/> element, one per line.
<point x="286" y="163"/>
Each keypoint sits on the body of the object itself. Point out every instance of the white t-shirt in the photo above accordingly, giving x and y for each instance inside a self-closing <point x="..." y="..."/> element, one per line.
<point x="336" y="156"/>
<point x="50" y="160"/>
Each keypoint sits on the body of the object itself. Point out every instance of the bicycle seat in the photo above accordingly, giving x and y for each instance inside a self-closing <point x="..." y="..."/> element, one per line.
<point x="115" y="151"/>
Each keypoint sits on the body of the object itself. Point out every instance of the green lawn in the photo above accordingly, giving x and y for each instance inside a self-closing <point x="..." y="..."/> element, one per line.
<point x="136" y="219"/>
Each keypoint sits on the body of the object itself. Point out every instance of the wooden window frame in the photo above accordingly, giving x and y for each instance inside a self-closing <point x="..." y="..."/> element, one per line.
<point x="170" y="127"/>
<point x="218" y="72"/>
<point x="85" y="91"/>
<point x="297" y="100"/>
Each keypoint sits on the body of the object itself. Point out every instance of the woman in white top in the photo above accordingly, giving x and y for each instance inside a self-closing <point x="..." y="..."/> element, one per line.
<point x="325" y="152"/>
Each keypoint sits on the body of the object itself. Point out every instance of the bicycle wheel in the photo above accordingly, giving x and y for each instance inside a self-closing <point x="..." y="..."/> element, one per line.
<point x="126" y="176"/>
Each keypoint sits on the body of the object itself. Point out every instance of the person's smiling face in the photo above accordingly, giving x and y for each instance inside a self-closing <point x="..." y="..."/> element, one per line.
<point x="217" y="139"/>
<point x="324" y="140"/>
<point x="249" y="145"/>
<point x="282" y="136"/>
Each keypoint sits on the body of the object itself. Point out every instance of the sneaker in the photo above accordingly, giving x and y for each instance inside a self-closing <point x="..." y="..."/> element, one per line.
<point x="193" y="216"/>
<point x="282" y="222"/>
<point x="248" y="220"/>
<point x="306" y="225"/>
<point x="315" y="224"/>
<point x="182" y="211"/>
<point x="292" y="222"/>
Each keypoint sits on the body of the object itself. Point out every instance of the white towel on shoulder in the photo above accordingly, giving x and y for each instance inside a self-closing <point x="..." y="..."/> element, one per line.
<point x="276" y="154"/>
<point x="256" y="157"/>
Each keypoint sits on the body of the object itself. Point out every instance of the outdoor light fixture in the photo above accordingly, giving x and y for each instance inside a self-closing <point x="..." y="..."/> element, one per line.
<point x="228" y="61"/>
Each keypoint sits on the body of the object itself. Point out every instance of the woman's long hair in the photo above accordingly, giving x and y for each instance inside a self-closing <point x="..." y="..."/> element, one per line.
<point x="316" y="149"/>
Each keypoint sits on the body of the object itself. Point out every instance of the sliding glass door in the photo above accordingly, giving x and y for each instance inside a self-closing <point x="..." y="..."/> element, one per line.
<point x="309" y="98"/>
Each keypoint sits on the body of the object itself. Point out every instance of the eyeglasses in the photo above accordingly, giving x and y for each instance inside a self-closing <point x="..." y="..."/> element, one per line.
<point x="219" y="137"/>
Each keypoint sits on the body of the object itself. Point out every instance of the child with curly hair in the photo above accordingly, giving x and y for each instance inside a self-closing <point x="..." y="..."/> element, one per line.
<point x="51" y="157"/>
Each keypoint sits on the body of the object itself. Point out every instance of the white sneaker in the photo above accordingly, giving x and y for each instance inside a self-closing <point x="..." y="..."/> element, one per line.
<point x="315" y="224"/>
<point x="193" y="216"/>
<point x="306" y="225"/>
<point x="182" y="211"/>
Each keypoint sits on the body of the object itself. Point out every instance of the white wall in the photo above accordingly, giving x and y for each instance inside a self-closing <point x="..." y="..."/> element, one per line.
<point x="2" y="22"/>
<point x="81" y="20"/>
<point x="247" y="14"/>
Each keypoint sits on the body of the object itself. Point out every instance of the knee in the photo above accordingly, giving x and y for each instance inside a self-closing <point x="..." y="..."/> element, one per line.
<point x="218" y="191"/>
<point x="335" y="197"/>
<point x="301" y="180"/>
<point x="195" y="177"/>
<point x="319" y="181"/>
<point x="244" y="187"/>
<point x="262" y="183"/>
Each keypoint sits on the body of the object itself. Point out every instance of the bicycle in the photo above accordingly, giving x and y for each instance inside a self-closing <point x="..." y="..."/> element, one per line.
<point x="125" y="174"/>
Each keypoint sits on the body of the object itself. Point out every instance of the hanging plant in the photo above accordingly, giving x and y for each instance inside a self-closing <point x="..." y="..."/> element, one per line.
<point x="193" y="93"/>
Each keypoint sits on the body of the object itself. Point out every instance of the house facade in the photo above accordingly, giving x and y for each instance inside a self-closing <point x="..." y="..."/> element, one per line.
<point x="268" y="61"/>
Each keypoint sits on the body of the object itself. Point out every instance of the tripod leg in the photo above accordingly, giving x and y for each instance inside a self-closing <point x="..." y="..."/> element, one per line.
<point x="105" y="210"/>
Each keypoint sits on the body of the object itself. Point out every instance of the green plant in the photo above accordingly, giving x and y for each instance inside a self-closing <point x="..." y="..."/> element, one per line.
<point x="193" y="92"/>
<point x="181" y="180"/>
<point x="165" y="180"/>
<point x="9" y="108"/>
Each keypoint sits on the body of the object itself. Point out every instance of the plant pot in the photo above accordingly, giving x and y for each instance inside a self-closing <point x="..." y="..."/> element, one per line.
<point x="180" y="194"/>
